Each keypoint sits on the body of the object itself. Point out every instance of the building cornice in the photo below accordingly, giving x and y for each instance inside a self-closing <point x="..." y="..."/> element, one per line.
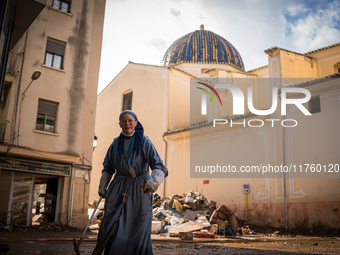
<point x="205" y="124"/>
<point x="312" y="82"/>
<point x="323" y="48"/>
<point x="275" y="50"/>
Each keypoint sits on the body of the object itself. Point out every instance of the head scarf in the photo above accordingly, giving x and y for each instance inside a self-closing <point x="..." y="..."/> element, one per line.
<point x="139" y="132"/>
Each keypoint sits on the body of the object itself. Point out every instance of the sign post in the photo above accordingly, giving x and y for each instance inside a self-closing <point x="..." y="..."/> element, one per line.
<point x="246" y="191"/>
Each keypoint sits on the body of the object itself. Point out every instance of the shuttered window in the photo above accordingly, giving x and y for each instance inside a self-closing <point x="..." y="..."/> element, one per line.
<point x="55" y="51"/>
<point x="46" y="117"/>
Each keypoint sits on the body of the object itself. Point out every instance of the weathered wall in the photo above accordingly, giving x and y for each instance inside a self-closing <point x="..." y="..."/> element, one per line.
<point x="312" y="202"/>
<point x="325" y="60"/>
<point x="145" y="82"/>
<point x="79" y="43"/>
<point x="74" y="88"/>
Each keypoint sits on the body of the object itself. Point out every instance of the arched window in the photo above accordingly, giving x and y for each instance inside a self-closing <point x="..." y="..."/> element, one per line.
<point x="127" y="101"/>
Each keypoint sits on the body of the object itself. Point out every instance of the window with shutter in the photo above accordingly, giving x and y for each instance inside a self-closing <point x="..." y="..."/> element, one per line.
<point x="46" y="117"/>
<point x="55" y="51"/>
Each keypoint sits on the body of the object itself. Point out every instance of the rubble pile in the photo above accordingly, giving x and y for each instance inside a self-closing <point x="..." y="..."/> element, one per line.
<point x="188" y="215"/>
<point x="179" y="215"/>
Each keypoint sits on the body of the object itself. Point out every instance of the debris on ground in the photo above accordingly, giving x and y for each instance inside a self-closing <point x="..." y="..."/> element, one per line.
<point x="276" y="233"/>
<point x="186" y="235"/>
<point x="192" y="212"/>
<point x="247" y="231"/>
<point x="43" y="226"/>
<point x="203" y="234"/>
<point x="188" y="226"/>
<point x="186" y="216"/>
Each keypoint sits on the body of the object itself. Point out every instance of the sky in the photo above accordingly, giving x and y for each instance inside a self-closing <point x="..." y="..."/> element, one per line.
<point x="141" y="31"/>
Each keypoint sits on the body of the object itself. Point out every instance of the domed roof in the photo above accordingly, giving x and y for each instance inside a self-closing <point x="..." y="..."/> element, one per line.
<point x="202" y="46"/>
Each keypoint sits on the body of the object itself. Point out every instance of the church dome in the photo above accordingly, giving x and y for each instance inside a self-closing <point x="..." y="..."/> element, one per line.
<point x="202" y="46"/>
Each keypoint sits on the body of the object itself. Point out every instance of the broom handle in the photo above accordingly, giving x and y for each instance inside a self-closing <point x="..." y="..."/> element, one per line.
<point x="95" y="209"/>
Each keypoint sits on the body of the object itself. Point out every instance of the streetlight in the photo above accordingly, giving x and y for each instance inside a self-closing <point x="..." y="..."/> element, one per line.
<point x="34" y="77"/>
<point x="36" y="74"/>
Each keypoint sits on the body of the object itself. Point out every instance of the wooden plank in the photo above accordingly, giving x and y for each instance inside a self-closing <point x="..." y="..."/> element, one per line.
<point x="186" y="227"/>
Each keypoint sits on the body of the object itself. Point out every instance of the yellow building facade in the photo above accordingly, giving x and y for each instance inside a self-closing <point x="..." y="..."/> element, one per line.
<point x="165" y="101"/>
<point x="47" y="121"/>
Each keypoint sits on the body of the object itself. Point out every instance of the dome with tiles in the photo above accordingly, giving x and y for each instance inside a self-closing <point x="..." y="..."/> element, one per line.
<point x="202" y="46"/>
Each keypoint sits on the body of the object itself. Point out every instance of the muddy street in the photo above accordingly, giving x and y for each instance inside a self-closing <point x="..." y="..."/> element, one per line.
<point x="174" y="246"/>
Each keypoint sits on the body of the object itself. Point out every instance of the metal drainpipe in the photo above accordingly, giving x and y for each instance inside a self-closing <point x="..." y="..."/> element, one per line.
<point x="13" y="130"/>
<point x="70" y="198"/>
<point x="284" y="174"/>
<point x="165" y="162"/>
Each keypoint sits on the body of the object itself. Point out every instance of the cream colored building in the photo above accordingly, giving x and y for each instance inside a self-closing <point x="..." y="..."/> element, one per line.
<point x="47" y="124"/>
<point x="165" y="101"/>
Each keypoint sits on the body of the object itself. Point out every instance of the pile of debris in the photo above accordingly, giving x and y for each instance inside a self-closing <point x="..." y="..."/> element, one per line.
<point x="192" y="215"/>
<point x="186" y="216"/>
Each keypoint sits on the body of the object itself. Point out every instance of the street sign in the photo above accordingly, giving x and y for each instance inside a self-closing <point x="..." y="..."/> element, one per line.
<point x="246" y="188"/>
